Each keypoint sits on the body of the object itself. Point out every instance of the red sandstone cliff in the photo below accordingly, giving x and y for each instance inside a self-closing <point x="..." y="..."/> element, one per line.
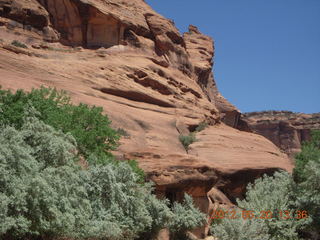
<point x="285" y="129"/>
<point x="151" y="81"/>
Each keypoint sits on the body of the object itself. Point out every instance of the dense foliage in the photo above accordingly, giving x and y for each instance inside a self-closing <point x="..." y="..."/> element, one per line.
<point x="310" y="152"/>
<point x="90" y="128"/>
<point x="240" y="229"/>
<point x="278" y="193"/>
<point x="185" y="216"/>
<point x="40" y="186"/>
<point x="44" y="192"/>
<point x="307" y="177"/>
<point x="269" y="193"/>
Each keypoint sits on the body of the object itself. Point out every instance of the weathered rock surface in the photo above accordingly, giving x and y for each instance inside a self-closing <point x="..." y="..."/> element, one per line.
<point x="29" y="15"/>
<point x="201" y="51"/>
<point x="152" y="82"/>
<point x="26" y="12"/>
<point x="285" y="129"/>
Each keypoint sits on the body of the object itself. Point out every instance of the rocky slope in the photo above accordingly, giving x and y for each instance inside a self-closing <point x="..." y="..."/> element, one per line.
<point x="153" y="82"/>
<point x="285" y="129"/>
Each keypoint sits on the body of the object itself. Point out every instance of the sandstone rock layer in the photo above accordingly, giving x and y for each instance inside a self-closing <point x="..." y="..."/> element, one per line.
<point x="151" y="81"/>
<point x="285" y="129"/>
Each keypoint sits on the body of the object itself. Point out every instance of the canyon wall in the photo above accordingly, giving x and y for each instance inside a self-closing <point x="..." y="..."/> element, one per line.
<point x="153" y="82"/>
<point x="287" y="130"/>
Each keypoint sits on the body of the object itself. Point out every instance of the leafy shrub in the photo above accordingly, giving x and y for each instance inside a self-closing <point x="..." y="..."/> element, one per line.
<point x="160" y="213"/>
<point x="201" y="126"/>
<point x="269" y="193"/>
<point x="87" y="125"/>
<point x="138" y="171"/>
<point x="241" y="229"/>
<point x="57" y="203"/>
<point x="310" y="152"/>
<point x="187" y="140"/>
<point x="116" y="200"/>
<point x="39" y="185"/>
<point x="307" y="176"/>
<point x="130" y="208"/>
<point x="308" y="198"/>
<point x="274" y="193"/>
<point x="16" y="165"/>
<point x="186" y="217"/>
<point x="16" y="43"/>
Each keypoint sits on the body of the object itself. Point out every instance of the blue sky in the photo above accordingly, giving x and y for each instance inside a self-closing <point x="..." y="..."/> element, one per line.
<point x="267" y="51"/>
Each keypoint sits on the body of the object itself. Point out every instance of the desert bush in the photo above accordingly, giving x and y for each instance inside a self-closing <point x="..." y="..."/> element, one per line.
<point x="16" y="166"/>
<point x="241" y="229"/>
<point x="310" y="152"/>
<point x="88" y="125"/>
<point x="16" y="43"/>
<point x="50" y="147"/>
<point x="274" y="193"/>
<point x="186" y="217"/>
<point x="186" y="140"/>
<point x="201" y="126"/>
<point x="57" y="203"/>
<point x="308" y="198"/>
<point x="161" y="216"/>
<point x="117" y="200"/>
<point x="141" y="176"/>
<point x="307" y="177"/>
<point x="42" y="193"/>
<point x="269" y="193"/>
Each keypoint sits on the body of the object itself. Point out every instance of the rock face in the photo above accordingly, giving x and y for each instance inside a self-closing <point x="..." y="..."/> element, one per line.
<point x="26" y="12"/>
<point x="285" y="129"/>
<point x="201" y="51"/>
<point x="151" y="81"/>
<point x="29" y="15"/>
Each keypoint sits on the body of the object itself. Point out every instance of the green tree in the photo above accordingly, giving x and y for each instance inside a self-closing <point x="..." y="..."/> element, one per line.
<point x="310" y="152"/>
<point x="88" y="125"/>
<point x="307" y="177"/>
<point x="308" y="198"/>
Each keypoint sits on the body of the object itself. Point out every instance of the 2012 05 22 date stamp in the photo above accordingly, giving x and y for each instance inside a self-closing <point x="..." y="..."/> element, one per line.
<point x="250" y="214"/>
